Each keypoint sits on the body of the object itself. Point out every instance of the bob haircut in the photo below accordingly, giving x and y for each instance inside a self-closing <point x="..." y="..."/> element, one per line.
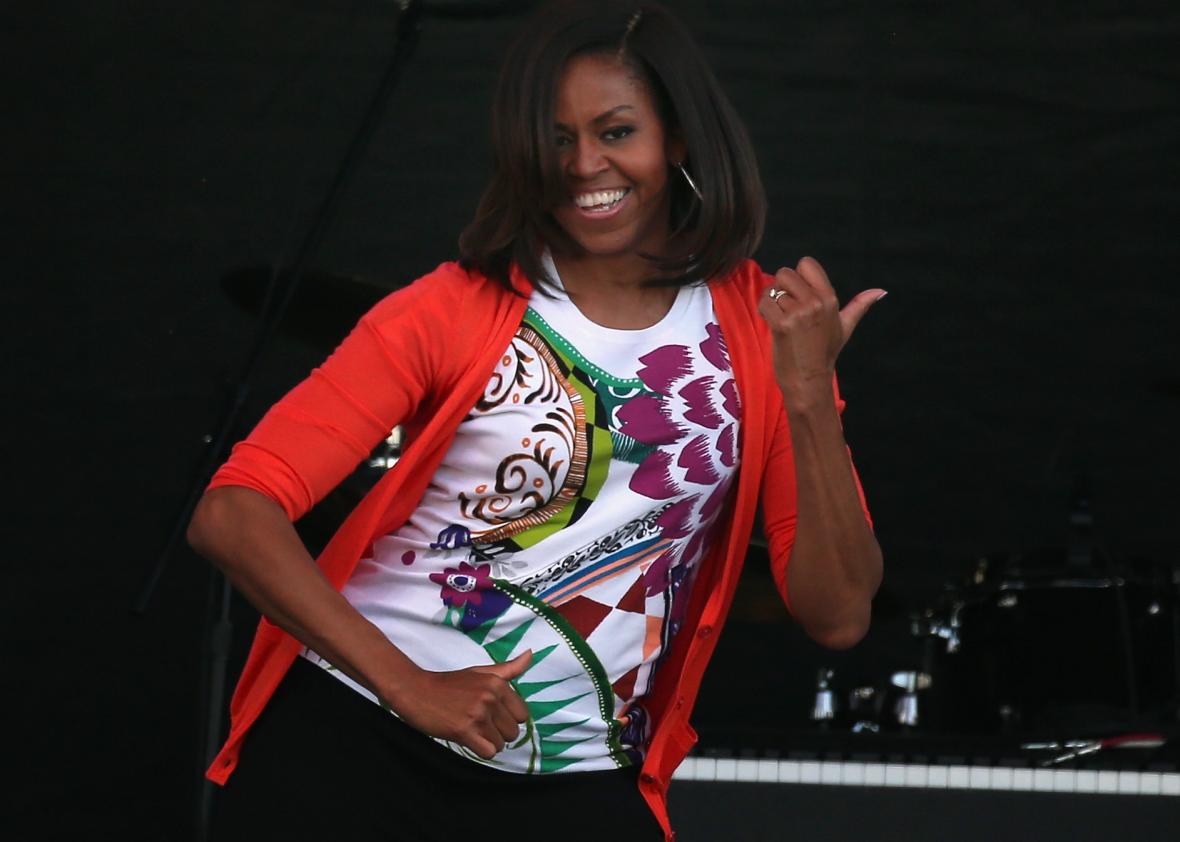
<point x="512" y="222"/>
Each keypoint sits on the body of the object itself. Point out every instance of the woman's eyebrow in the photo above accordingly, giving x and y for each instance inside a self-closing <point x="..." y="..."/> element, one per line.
<point x="603" y="117"/>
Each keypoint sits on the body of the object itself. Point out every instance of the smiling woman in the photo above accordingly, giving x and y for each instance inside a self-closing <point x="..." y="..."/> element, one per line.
<point x="597" y="398"/>
<point x="582" y="61"/>
<point x="614" y="154"/>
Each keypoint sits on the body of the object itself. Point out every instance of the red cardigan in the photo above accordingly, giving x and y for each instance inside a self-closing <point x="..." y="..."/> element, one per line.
<point x="422" y="357"/>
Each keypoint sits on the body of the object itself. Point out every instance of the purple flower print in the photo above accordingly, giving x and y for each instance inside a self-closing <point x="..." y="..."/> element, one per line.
<point x="678" y="520"/>
<point x="645" y="419"/>
<point x="452" y="538"/>
<point x="690" y="418"/>
<point x="726" y="447"/>
<point x="664" y="366"/>
<point x="464" y="584"/>
<point x="732" y="403"/>
<point x="714" y="348"/>
<point x="700" y="404"/>
<point x="695" y="458"/>
<point x="653" y="477"/>
<point x="492" y="605"/>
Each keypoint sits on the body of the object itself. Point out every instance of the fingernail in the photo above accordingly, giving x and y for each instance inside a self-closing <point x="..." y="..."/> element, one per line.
<point x="879" y="297"/>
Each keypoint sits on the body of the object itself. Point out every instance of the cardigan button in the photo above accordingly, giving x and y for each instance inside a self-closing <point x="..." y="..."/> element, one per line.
<point x="648" y="778"/>
<point x="679" y="702"/>
<point x="705" y="631"/>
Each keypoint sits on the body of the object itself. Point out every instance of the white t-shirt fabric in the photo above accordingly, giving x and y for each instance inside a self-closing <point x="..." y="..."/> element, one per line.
<point x="568" y="517"/>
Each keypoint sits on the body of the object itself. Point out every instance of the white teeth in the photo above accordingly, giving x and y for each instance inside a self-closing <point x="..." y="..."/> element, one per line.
<point x="599" y="198"/>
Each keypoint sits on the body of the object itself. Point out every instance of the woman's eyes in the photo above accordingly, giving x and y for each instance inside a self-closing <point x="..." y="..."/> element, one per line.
<point x="614" y="133"/>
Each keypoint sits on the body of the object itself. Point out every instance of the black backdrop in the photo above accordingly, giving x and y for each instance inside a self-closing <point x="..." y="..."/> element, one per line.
<point x="1006" y="170"/>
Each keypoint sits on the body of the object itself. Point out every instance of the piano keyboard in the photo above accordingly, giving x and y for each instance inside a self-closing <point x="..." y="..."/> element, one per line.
<point x="1000" y="778"/>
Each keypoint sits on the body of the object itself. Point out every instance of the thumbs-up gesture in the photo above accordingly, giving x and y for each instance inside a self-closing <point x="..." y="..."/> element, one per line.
<point x="809" y="329"/>
<point x="476" y="707"/>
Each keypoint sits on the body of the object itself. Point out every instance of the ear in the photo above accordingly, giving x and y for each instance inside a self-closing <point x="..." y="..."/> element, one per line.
<point x="674" y="148"/>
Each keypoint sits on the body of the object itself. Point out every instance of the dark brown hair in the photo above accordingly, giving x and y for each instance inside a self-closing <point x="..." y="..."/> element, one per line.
<point x="513" y="219"/>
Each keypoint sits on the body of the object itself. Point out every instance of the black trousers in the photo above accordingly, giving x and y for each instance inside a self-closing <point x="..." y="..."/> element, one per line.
<point x="323" y="763"/>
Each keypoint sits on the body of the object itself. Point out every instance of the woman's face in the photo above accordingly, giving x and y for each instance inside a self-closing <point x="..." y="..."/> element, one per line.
<point x="614" y="155"/>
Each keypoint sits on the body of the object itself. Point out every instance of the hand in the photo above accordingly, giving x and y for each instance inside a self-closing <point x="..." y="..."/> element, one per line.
<point x="808" y="328"/>
<point x="475" y="707"/>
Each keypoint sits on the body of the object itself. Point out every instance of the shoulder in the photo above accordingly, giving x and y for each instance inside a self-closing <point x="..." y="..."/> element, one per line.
<point x="742" y="285"/>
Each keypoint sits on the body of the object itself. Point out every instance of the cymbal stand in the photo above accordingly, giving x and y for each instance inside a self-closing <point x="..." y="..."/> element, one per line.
<point x="218" y="630"/>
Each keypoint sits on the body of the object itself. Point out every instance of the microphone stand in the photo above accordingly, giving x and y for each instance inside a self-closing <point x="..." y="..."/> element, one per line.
<point x="282" y="288"/>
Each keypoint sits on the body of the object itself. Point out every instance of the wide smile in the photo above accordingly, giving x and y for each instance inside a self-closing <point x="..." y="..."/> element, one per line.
<point x="601" y="204"/>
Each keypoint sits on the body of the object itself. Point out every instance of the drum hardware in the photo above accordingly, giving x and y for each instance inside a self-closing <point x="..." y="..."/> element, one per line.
<point x="1074" y="749"/>
<point x="927" y="625"/>
<point x="905" y="708"/>
<point x="864" y="709"/>
<point x="824" y="709"/>
<point x="1005" y="648"/>
<point x="871" y="708"/>
<point x="387" y="453"/>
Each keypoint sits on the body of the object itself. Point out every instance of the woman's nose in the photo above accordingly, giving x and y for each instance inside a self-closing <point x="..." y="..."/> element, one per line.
<point x="585" y="158"/>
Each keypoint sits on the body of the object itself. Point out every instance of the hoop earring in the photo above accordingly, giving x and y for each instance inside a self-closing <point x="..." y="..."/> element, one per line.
<point x="688" y="178"/>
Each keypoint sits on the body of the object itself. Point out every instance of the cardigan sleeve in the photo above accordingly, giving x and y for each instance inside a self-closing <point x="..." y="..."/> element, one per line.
<point x="386" y="367"/>
<point x="780" y="510"/>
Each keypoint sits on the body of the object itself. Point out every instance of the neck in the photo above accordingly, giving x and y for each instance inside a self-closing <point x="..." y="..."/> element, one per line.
<point x="610" y="290"/>
<point x="618" y="273"/>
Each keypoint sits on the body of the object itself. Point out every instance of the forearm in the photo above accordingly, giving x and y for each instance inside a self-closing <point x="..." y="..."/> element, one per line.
<point x="249" y="538"/>
<point x="835" y="563"/>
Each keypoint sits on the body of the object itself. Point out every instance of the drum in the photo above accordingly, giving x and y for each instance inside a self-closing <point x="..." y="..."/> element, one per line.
<point x="1036" y="649"/>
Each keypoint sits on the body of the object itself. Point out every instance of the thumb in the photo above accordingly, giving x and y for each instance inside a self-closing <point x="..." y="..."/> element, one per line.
<point x="511" y="669"/>
<point x="854" y="310"/>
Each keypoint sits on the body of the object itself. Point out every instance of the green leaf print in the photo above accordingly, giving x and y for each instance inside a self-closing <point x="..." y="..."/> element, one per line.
<point x="546" y="749"/>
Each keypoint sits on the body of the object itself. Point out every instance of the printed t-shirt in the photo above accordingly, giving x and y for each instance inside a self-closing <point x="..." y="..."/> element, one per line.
<point x="568" y="518"/>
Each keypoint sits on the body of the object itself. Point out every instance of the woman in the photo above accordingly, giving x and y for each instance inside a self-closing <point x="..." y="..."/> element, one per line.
<point x="596" y="397"/>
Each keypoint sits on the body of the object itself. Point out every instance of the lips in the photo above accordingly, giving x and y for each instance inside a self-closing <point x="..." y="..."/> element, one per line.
<point x="600" y="203"/>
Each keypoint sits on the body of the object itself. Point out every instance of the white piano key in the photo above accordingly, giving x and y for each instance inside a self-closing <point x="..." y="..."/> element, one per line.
<point x="875" y="774"/>
<point x="917" y="775"/>
<point x="1170" y="784"/>
<point x="1129" y="783"/>
<point x="706" y="769"/>
<point x="831" y="773"/>
<point x="1022" y="779"/>
<point x="894" y="774"/>
<point x="686" y="771"/>
<point x="854" y="774"/>
<point x="1150" y="783"/>
<point x="958" y="777"/>
<point x="1002" y="777"/>
<point x="746" y="770"/>
<point x="1108" y="781"/>
<point x="937" y="778"/>
<point x="1086" y="780"/>
<point x="790" y="773"/>
<point x="768" y="771"/>
<point x="1043" y="780"/>
<point x="1064" y="780"/>
<point x="726" y="769"/>
<point x="809" y="772"/>
<point x="980" y="778"/>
